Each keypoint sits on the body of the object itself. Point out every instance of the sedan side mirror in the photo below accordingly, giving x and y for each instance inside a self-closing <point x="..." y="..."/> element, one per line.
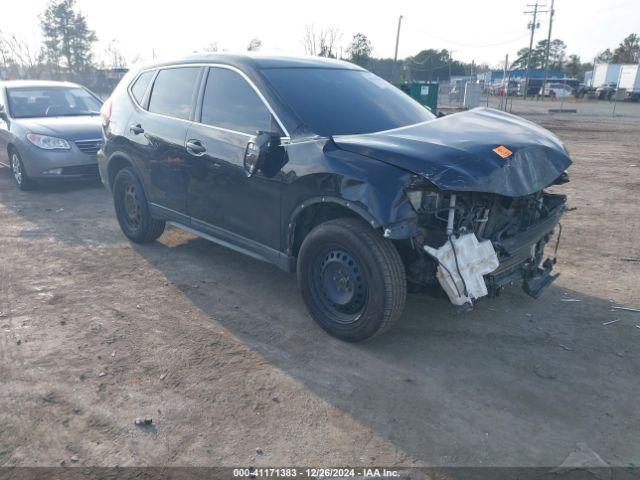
<point x="3" y="115"/>
<point x="260" y="152"/>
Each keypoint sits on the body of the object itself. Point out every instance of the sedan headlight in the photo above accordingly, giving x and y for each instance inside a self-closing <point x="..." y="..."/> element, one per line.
<point x="48" y="143"/>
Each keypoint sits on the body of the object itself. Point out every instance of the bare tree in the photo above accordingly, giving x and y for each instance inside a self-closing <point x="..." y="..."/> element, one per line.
<point x="114" y="57"/>
<point x="254" y="45"/>
<point x="18" y="59"/>
<point x="212" y="47"/>
<point x="309" y="40"/>
<point x="328" y="42"/>
<point x="6" y="59"/>
<point x="321" y="43"/>
<point x="136" y="58"/>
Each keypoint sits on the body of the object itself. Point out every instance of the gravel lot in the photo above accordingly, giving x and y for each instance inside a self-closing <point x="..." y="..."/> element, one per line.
<point x="218" y="348"/>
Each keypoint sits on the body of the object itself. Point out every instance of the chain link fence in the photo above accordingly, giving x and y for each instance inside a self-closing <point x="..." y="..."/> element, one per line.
<point x="455" y="96"/>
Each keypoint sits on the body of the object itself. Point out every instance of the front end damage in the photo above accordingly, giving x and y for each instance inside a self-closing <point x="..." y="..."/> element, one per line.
<point x="481" y="216"/>
<point x="475" y="244"/>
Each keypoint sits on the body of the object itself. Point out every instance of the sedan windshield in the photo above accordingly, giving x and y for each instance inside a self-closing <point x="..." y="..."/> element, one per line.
<point x="29" y="102"/>
<point x="344" y="102"/>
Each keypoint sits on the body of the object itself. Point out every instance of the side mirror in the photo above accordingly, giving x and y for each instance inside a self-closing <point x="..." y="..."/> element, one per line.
<point x="259" y="151"/>
<point x="3" y="115"/>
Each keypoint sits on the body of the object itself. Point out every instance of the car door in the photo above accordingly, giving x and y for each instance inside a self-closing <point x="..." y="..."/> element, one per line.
<point x="158" y="131"/>
<point x="220" y="195"/>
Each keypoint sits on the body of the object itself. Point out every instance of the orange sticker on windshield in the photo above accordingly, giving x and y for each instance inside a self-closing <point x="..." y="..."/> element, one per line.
<point x="503" y="151"/>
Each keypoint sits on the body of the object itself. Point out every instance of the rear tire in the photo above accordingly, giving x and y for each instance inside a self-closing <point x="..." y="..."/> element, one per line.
<point x="352" y="279"/>
<point x="20" y="176"/>
<point x="132" y="209"/>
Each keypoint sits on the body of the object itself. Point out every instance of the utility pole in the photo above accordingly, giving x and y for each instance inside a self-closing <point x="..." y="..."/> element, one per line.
<point x="395" y="56"/>
<point x="546" y="55"/>
<point x="505" y="84"/>
<point x="532" y="26"/>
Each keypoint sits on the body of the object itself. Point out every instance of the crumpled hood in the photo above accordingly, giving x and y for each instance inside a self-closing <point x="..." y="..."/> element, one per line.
<point x="456" y="152"/>
<point x="85" y="127"/>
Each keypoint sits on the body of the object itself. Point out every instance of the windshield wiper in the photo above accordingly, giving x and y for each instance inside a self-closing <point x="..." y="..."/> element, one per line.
<point x="77" y="114"/>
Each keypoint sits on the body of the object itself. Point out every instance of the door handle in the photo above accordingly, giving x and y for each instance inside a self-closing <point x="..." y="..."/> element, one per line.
<point x="195" y="147"/>
<point x="136" y="129"/>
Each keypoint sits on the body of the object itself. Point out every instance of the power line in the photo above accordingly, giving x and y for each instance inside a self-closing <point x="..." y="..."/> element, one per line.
<point x="469" y="45"/>
<point x="615" y="7"/>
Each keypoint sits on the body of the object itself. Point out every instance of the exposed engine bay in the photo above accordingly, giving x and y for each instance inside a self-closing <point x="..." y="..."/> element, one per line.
<point x="474" y="244"/>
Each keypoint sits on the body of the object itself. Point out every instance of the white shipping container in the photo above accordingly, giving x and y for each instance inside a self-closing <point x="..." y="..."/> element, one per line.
<point x="630" y="78"/>
<point x="606" y="73"/>
<point x="588" y="78"/>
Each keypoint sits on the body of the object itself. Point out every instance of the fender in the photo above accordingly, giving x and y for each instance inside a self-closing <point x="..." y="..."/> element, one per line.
<point x="118" y="154"/>
<point x="355" y="208"/>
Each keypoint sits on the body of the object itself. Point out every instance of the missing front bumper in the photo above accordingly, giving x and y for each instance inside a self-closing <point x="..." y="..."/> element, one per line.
<point x="469" y="269"/>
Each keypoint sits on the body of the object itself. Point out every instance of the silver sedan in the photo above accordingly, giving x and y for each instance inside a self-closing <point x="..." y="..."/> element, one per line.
<point x="49" y="131"/>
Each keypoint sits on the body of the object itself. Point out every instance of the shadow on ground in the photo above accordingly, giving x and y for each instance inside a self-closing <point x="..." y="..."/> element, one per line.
<point x="59" y="209"/>
<point x="515" y="381"/>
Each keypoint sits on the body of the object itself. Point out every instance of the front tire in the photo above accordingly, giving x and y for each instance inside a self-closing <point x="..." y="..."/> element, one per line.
<point x="352" y="279"/>
<point x="132" y="209"/>
<point x="20" y="176"/>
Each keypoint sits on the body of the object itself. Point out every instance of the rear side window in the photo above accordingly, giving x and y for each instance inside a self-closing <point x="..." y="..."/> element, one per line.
<point x="139" y="87"/>
<point x="172" y="92"/>
<point x="230" y="102"/>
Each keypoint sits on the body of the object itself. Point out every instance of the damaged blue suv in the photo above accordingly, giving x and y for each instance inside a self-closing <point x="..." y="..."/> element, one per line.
<point x="322" y="168"/>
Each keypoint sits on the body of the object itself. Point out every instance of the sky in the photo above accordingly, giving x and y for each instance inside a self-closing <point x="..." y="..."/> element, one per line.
<point x="480" y="31"/>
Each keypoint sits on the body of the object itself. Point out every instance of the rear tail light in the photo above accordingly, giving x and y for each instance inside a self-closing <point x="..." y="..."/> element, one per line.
<point x="105" y="112"/>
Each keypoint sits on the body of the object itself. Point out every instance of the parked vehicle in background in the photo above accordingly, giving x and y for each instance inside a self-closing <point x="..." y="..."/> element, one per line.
<point x="556" y="90"/>
<point x="582" y="90"/>
<point x="630" y="81"/>
<point x="49" y="131"/>
<point x="533" y="86"/>
<point x="324" y="169"/>
<point x="501" y="87"/>
<point x="606" y="91"/>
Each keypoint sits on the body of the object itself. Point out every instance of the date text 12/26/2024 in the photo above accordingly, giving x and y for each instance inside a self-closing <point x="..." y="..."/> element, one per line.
<point x="266" y="472"/>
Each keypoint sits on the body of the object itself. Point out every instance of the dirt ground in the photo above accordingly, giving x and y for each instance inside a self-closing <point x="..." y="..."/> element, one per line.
<point x="218" y="349"/>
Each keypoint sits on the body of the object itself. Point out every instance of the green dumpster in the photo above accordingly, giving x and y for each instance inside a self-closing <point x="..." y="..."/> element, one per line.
<point x="426" y="93"/>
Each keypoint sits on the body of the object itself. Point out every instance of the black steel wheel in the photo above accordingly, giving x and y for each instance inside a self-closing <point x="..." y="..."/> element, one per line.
<point x="132" y="209"/>
<point x="352" y="279"/>
<point x="339" y="284"/>
<point x="132" y="206"/>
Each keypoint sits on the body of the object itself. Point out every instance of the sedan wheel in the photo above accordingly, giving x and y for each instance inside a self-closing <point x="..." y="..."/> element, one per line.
<point x="20" y="174"/>
<point x="16" y="168"/>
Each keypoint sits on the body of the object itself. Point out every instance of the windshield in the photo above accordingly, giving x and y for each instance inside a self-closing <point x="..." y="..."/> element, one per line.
<point x="29" y="102"/>
<point x="343" y="102"/>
